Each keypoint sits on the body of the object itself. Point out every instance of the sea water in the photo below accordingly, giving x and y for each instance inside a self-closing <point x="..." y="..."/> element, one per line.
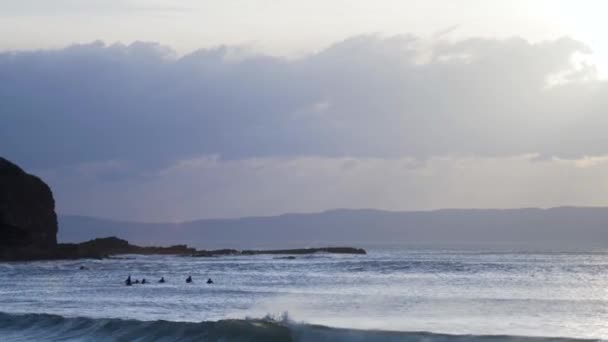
<point x="400" y="294"/>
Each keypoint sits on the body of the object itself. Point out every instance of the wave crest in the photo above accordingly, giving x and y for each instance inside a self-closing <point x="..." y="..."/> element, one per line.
<point x="45" y="327"/>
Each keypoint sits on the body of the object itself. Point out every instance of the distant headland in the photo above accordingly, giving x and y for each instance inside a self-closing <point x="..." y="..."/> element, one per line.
<point x="28" y="228"/>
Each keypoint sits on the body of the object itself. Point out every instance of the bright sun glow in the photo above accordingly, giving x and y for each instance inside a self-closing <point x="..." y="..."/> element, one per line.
<point x="585" y="20"/>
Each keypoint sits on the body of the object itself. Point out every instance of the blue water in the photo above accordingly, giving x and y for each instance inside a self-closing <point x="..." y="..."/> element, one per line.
<point x="389" y="294"/>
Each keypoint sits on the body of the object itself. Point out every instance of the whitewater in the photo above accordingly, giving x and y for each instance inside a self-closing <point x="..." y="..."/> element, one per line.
<point x="390" y="294"/>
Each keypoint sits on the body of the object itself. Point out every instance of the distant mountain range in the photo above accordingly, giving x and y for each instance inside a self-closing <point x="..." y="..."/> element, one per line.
<point x="365" y="227"/>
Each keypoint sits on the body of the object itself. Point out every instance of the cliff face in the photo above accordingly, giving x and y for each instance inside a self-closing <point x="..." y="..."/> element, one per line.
<point x="27" y="210"/>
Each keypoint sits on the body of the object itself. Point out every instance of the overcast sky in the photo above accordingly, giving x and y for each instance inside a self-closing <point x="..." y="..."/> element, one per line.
<point x="177" y="110"/>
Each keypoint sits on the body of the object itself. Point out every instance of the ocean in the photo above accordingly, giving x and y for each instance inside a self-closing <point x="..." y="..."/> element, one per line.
<point x="390" y="294"/>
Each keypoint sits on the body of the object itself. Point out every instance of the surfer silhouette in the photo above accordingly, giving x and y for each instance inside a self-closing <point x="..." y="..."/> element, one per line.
<point x="209" y="281"/>
<point x="189" y="279"/>
<point x="128" y="281"/>
<point x="162" y="280"/>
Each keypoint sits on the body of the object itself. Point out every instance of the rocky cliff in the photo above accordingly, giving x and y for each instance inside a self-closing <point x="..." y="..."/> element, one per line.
<point x="27" y="211"/>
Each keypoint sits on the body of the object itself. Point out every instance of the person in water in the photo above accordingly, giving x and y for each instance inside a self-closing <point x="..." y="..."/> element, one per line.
<point x="143" y="281"/>
<point x="209" y="281"/>
<point x="189" y="279"/>
<point x="128" y="281"/>
<point x="162" y="280"/>
<point x="136" y="281"/>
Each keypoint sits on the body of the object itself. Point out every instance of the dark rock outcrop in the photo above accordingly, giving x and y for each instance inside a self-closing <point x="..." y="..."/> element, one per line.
<point x="104" y="247"/>
<point x="94" y="249"/>
<point x="27" y="212"/>
<point x="297" y="251"/>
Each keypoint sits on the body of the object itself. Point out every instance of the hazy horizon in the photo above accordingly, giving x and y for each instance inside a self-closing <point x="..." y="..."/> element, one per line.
<point x="333" y="210"/>
<point x="562" y="229"/>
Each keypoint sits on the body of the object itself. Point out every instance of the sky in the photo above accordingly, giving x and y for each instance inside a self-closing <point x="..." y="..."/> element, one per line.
<point x="179" y="110"/>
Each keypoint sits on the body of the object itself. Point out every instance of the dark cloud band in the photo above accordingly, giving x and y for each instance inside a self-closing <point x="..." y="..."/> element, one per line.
<point x="365" y="97"/>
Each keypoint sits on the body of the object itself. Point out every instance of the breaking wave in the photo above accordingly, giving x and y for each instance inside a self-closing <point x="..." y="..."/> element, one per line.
<point x="45" y="327"/>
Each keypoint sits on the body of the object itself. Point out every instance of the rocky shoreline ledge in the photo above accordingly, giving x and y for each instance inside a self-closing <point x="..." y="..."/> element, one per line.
<point x="106" y="247"/>
<point x="295" y="251"/>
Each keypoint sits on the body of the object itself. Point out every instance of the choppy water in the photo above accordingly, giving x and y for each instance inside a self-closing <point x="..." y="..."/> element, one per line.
<point x="403" y="290"/>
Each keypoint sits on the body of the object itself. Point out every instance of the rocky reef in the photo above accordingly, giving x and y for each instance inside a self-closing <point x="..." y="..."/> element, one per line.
<point x="296" y="251"/>
<point x="105" y="247"/>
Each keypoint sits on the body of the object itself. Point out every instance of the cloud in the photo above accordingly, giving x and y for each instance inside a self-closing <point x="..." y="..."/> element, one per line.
<point x="367" y="96"/>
